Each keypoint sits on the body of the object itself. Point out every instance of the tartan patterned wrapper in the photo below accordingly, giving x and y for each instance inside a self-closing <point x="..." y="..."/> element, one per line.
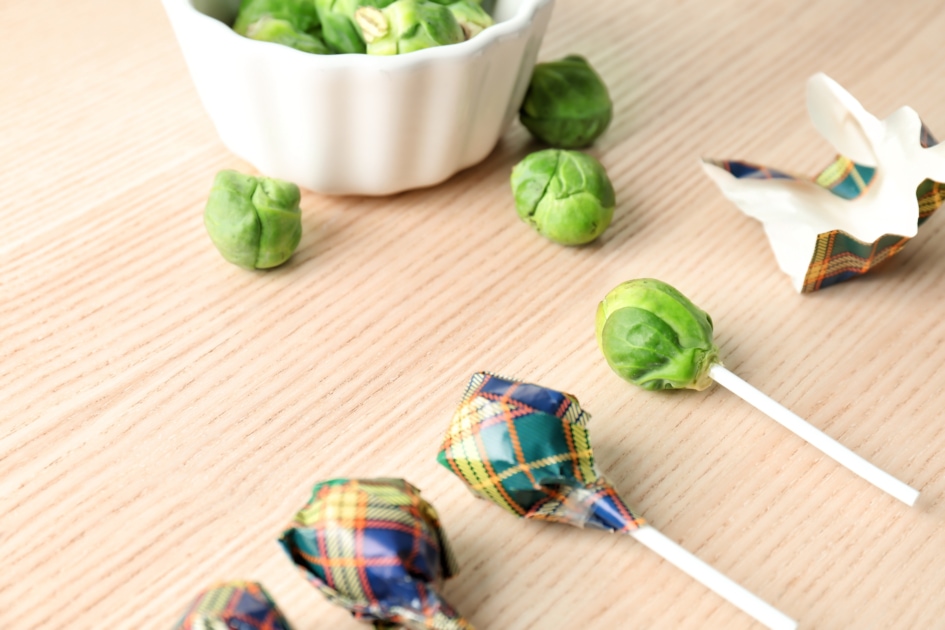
<point x="376" y="548"/>
<point x="839" y="256"/>
<point x="233" y="606"/>
<point x="527" y="449"/>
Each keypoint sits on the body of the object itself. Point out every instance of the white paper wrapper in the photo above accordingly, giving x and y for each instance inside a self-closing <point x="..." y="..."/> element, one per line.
<point x="859" y="211"/>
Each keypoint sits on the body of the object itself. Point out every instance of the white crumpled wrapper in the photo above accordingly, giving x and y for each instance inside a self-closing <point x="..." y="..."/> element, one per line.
<point x="860" y="210"/>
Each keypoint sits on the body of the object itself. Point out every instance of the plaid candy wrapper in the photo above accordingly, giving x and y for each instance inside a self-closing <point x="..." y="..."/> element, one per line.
<point x="376" y="548"/>
<point x="838" y="255"/>
<point x="526" y="448"/>
<point x="233" y="606"/>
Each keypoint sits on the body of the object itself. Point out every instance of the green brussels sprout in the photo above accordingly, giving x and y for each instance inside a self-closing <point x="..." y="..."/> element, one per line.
<point x="255" y="222"/>
<point x="654" y="337"/>
<point x="567" y="104"/>
<point x="470" y="15"/>
<point x="406" y="26"/>
<point x="565" y="195"/>
<point x="339" y="29"/>
<point x="281" y="32"/>
<point x="487" y="5"/>
<point x="292" y="23"/>
<point x="300" y="14"/>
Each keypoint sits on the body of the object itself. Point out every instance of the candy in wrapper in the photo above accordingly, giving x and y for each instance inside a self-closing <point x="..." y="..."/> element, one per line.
<point x="233" y="605"/>
<point x="526" y="448"/>
<point x="376" y="548"/>
<point x="861" y="209"/>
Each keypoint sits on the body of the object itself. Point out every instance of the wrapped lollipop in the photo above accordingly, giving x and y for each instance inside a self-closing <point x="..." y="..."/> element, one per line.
<point x="234" y="605"/>
<point x="654" y="337"/>
<point x="527" y="449"/>
<point x="376" y="548"/>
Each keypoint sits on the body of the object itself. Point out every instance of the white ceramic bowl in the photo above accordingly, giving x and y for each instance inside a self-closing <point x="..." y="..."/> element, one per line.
<point x="357" y="124"/>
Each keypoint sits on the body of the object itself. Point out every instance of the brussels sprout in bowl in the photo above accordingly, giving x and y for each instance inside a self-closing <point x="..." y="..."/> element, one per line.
<point x="353" y="123"/>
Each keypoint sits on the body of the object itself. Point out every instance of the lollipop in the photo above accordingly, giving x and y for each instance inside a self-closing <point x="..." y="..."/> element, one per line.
<point x="654" y="337"/>
<point x="233" y="606"/>
<point x="526" y="448"/>
<point x="859" y="211"/>
<point x="375" y="547"/>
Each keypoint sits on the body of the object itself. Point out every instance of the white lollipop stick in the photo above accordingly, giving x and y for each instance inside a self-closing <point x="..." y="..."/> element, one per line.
<point x="817" y="438"/>
<point x="736" y="594"/>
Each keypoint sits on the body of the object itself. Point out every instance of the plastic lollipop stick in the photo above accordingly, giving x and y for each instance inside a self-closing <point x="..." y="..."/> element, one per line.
<point x="653" y="336"/>
<point x="731" y="591"/>
<point x="817" y="438"/>
<point x="526" y="448"/>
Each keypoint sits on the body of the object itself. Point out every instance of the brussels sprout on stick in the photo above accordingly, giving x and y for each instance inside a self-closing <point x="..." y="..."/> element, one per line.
<point x="654" y="337"/>
<point x="527" y="449"/>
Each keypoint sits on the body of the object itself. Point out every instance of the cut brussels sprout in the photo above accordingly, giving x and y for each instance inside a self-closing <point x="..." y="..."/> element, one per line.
<point x="281" y="32"/>
<point x="406" y="26"/>
<point x="339" y="29"/>
<point x="292" y="23"/>
<point x="470" y="14"/>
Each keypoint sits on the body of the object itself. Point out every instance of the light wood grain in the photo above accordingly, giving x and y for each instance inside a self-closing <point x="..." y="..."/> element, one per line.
<point x="164" y="413"/>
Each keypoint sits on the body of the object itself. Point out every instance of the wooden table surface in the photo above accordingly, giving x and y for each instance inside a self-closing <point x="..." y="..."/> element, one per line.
<point x="164" y="413"/>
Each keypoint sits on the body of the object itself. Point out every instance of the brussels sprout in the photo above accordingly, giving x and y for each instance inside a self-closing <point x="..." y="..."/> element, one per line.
<point x="300" y="14"/>
<point x="339" y="29"/>
<point x="654" y="337"/>
<point x="254" y="221"/>
<point x="281" y="32"/>
<point x="406" y="26"/>
<point x="292" y="23"/>
<point x="567" y="104"/>
<point x="470" y="15"/>
<point x="565" y="195"/>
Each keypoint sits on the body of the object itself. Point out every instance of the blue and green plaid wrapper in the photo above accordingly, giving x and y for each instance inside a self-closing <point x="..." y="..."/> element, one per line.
<point x="837" y="255"/>
<point x="233" y="606"/>
<point x="526" y="448"/>
<point x="375" y="547"/>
